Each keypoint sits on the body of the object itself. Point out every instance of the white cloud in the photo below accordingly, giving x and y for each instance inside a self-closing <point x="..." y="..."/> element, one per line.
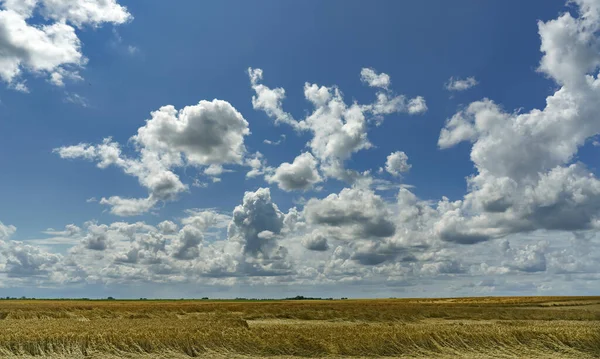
<point x="21" y="7"/>
<point x="82" y="12"/>
<point x="258" y="165"/>
<point x="97" y="238"/>
<point x="23" y="260"/>
<point x="301" y="174"/>
<point x="20" y="87"/>
<point x="211" y="132"/>
<point x="458" y="84"/>
<point x="339" y="130"/>
<point x="417" y="105"/>
<point x="186" y="245"/>
<point x="208" y="134"/>
<point x="52" y="47"/>
<point x="6" y="231"/>
<point x="214" y="171"/>
<point x="512" y="231"/>
<point x="256" y="214"/>
<point x="167" y="227"/>
<point x="42" y="49"/>
<point x="387" y="104"/>
<point x="531" y="258"/>
<point x="525" y="176"/>
<point x="373" y="79"/>
<point x="69" y="231"/>
<point x="126" y="207"/>
<point x="269" y="100"/>
<point x="397" y="163"/>
<point x="275" y="143"/>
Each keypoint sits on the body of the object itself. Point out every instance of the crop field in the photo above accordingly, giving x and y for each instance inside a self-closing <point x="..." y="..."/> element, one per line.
<point x="501" y="327"/>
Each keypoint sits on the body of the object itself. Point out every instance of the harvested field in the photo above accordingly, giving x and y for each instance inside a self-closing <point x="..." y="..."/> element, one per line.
<point x="527" y="327"/>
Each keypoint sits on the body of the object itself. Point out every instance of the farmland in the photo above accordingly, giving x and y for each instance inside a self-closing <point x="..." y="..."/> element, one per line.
<point x="503" y="327"/>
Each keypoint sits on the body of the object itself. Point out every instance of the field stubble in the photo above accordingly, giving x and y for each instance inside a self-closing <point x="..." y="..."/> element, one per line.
<point x="531" y="327"/>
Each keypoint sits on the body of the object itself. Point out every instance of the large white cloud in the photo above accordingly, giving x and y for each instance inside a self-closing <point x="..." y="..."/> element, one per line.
<point x="210" y="133"/>
<point x="51" y="47"/>
<point x="525" y="176"/>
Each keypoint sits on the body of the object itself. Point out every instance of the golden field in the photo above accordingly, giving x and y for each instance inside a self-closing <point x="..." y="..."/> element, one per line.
<point x="489" y="327"/>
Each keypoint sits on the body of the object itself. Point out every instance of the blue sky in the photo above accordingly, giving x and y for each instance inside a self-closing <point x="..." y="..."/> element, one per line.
<point x="142" y="56"/>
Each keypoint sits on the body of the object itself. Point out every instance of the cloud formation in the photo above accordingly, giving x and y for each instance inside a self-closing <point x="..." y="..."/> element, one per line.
<point x="208" y="134"/>
<point x="397" y="163"/>
<point x="301" y="174"/>
<point x="531" y="210"/>
<point x="50" y="47"/>
<point x="338" y="130"/>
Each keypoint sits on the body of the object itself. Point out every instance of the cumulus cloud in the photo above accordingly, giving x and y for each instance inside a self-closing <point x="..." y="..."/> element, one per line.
<point x="397" y="163"/>
<point x="315" y="242"/>
<point x="211" y="132"/>
<point x="339" y="130"/>
<point x="373" y="79"/>
<point x="79" y="12"/>
<point x="208" y="134"/>
<point x="51" y="47"/>
<point x="458" y="84"/>
<point x="6" y="231"/>
<point x="97" y="238"/>
<point x="531" y="258"/>
<point x="387" y="102"/>
<point x="354" y="213"/>
<point x="301" y="174"/>
<point x="258" y="165"/>
<point x="23" y="260"/>
<point x="515" y="223"/>
<point x="526" y="179"/>
<point x="417" y="105"/>
<point x="186" y="245"/>
<point x="255" y="215"/>
<point x="256" y="225"/>
<point x="167" y="227"/>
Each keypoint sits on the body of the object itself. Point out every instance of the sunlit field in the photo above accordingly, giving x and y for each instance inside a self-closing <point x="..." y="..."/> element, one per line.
<point x="536" y="327"/>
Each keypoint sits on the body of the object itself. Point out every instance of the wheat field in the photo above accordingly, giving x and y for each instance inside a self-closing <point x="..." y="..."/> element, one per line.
<point x="501" y="327"/>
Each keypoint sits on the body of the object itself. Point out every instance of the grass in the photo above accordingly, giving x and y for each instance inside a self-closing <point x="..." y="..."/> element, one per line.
<point x="567" y="327"/>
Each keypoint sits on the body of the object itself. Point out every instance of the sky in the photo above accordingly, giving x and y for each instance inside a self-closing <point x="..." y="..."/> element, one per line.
<point x="273" y="149"/>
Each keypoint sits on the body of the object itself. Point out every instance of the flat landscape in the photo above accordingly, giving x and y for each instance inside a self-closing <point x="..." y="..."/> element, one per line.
<point x="488" y="327"/>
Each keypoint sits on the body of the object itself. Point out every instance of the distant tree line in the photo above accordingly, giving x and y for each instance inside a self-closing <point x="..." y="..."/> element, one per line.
<point x="298" y="297"/>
